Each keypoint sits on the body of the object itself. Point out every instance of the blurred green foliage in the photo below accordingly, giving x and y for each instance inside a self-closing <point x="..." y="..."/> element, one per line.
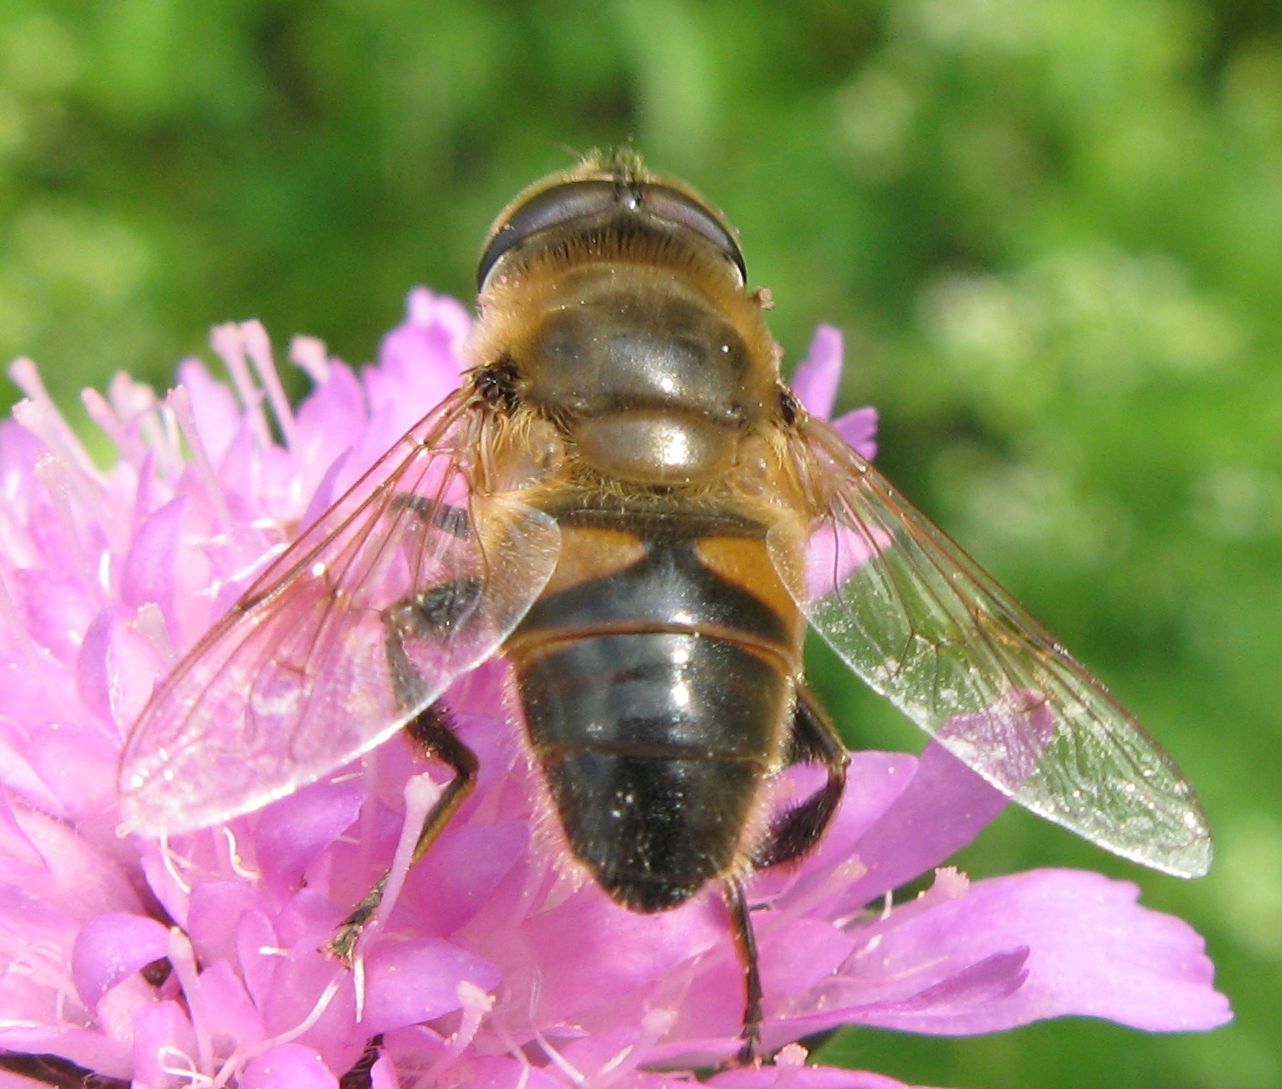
<point x="1051" y="231"/>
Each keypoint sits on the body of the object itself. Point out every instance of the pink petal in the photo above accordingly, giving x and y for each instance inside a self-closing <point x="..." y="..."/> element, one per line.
<point x="255" y="935"/>
<point x="163" y="1040"/>
<point x="313" y="989"/>
<point x="802" y="1077"/>
<point x="383" y="1074"/>
<point x="289" y="1066"/>
<point x="95" y="677"/>
<point x="589" y="949"/>
<point x="84" y="1047"/>
<point x="75" y="879"/>
<point x="333" y="422"/>
<point x="333" y="415"/>
<point x="15" y="847"/>
<point x="56" y="610"/>
<point x="899" y="817"/>
<point x="460" y="874"/>
<point x="77" y="765"/>
<point x="35" y="690"/>
<point x="818" y="375"/>
<point x="148" y="571"/>
<point x="942" y="810"/>
<point x="111" y="947"/>
<point x="19" y="449"/>
<point x="1016" y="949"/>
<point x="834" y="551"/>
<point x="301" y="826"/>
<point x="430" y="338"/>
<point x="115" y="670"/>
<point x="419" y="361"/>
<point x="409" y="982"/>
<point x="796" y="955"/>
<point x="859" y="428"/>
<point x="1094" y="952"/>
<point x="218" y="417"/>
<point x="213" y="917"/>
<point x="501" y="1072"/>
<point x="228" y="1013"/>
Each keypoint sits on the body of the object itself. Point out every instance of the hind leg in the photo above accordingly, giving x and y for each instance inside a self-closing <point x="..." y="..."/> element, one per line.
<point x="746" y="946"/>
<point x="813" y="741"/>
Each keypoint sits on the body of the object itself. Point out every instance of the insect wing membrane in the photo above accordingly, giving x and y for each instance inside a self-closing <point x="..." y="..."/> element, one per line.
<point x="925" y="626"/>
<point x="298" y="677"/>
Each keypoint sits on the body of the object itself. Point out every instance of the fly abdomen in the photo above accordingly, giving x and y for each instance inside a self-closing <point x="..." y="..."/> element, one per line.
<point x="655" y="696"/>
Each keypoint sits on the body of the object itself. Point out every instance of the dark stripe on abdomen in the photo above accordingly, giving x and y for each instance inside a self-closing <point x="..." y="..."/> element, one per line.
<point x="652" y="745"/>
<point x="655" y="700"/>
<point x="667" y="586"/>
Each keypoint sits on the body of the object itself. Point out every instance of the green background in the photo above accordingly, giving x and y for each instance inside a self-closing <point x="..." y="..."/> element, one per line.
<point x="1051" y="231"/>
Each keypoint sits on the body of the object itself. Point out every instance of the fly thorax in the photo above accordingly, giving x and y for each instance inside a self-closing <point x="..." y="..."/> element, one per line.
<point x="647" y="380"/>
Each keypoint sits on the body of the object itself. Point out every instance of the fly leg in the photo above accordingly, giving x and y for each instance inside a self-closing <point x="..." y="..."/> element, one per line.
<point x="746" y="946"/>
<point x="791" y="835"/>
<point x="361" y="1076"/>
<point x="813" y="740"/>
<point x="430" y="730"/>
<point x="433" y="513"/>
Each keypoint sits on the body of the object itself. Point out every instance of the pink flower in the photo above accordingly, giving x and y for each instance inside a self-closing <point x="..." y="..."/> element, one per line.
<point x="198" y="962"/>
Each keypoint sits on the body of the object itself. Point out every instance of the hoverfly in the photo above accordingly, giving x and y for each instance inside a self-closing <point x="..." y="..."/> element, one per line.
<point x="625" y="501"/>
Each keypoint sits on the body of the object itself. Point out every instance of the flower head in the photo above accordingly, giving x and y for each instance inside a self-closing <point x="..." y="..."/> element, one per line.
<point x="199" y="960"/>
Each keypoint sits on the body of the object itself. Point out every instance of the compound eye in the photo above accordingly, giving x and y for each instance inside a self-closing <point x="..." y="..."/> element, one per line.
<point x="552" y="207"/>
<point x="674" y="206"/>
<point x="603" y="202"/>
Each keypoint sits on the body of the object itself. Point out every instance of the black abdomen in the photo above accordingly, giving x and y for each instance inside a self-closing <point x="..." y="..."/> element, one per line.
<point x="655" y="696"/>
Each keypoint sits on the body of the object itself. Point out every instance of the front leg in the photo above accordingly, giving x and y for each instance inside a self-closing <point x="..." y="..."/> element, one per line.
<point x="431" y="731"/>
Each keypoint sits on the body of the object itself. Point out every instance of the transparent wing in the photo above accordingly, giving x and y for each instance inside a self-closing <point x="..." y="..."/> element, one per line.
<point x="925" y="626"/>
<point x="406" y="582"/>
